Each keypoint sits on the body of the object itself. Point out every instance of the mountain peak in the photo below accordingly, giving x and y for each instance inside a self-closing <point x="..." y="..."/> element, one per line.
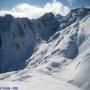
<point x="47" y="17"/>
<point x="79" y="12"/>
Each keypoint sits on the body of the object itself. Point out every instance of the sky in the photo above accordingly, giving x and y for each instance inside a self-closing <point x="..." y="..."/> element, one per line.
<point x="36" y="8"/>
<point x="8" y="4"/>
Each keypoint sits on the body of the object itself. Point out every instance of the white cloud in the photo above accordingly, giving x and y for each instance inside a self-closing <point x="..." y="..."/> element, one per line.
<point x="32" y="11"/>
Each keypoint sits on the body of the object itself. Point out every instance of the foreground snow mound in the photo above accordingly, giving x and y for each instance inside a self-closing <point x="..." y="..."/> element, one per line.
<point x="39" y="84"/>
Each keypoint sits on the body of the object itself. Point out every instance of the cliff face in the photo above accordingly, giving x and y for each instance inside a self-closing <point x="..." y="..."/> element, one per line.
<point x="19" y="38"/>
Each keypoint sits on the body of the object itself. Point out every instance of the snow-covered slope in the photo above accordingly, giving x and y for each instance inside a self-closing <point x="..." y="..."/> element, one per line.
<point x="82" y="77"/>
<point x="57" y="47"/>
<point x="47" y="83"/>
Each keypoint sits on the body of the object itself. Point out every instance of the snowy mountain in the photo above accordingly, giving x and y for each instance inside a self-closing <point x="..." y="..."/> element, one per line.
<point x="52" y="46"/>
<point x="19" y="38"/>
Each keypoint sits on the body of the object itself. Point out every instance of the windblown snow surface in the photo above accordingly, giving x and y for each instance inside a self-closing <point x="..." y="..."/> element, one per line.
<point x="60" y="61"/>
